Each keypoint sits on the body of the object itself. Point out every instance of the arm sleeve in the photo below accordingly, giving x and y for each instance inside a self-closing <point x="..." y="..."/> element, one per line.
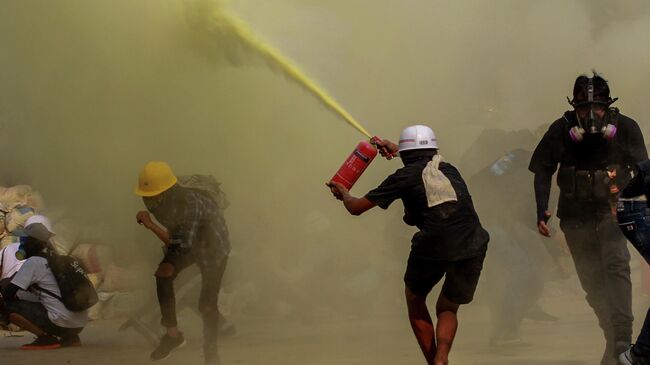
<point x="25" y="276"/>
<point x="548" y="152"/>
<point x="544" y="162"/>
<point x="389" y="190"/>
<point x="542" y="184"/>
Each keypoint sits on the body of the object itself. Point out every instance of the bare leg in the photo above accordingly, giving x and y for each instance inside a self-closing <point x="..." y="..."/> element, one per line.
<point x="25" y="324"/>
<point x="445" y="328"/>
<point x="421" y="324"/>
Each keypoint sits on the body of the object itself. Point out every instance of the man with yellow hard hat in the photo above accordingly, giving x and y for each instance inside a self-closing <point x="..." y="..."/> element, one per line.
<point x="193" y="229"/>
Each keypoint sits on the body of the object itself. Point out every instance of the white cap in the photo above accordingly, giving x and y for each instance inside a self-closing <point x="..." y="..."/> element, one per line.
<point x="38" y="226"/>
<point x="417" y="137"/>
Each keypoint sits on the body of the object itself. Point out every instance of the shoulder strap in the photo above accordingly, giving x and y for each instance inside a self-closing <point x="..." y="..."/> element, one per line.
<point x="2" y="260"/>
<point x="49" y="292"/>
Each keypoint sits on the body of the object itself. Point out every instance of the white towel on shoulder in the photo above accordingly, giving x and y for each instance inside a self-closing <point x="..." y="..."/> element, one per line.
<point x="436" y="184"/>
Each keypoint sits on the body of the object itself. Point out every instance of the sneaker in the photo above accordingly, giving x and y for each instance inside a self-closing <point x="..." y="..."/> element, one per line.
<point x="620" y="347"/>
<point x="70" y="341"/>
<point x="167" y="345"/>
<point x="628" y="358"/>
<point x="46" y="342"/>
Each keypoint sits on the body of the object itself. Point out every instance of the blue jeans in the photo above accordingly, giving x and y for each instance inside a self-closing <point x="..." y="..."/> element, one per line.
<point x="634" y="221"/>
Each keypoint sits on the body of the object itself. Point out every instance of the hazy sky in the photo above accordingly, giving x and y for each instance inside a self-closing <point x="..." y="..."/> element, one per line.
<point x="90" y="91"/>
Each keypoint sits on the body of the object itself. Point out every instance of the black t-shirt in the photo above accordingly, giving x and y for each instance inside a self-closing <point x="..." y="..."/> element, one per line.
<point x="556" y="147"/>
<point x="449" y="231"/>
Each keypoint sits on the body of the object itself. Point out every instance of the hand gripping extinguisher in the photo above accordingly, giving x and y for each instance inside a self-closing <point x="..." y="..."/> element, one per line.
<point x="356" y="163"/>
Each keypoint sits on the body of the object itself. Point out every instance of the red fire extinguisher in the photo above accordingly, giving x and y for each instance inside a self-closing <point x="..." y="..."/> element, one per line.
<point x="355" y="164"/>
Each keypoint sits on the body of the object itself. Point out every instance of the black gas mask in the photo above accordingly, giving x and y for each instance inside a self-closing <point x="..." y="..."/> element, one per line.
<point x="593" y="114"/>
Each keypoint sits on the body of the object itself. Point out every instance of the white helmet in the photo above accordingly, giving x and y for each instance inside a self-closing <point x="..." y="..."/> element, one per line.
<point x="417" y="137"/>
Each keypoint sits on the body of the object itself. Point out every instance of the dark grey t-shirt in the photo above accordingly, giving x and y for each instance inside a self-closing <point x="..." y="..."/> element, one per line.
<point x="450" y="231"/>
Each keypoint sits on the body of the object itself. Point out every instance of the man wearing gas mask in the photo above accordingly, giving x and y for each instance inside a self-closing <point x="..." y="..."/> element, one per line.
<point x="596" y="148"/>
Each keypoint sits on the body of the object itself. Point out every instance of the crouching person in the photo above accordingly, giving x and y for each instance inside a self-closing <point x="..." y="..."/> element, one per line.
<point x="42" y="313"/>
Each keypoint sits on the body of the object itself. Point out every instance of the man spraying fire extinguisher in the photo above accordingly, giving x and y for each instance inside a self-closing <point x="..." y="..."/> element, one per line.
<point x="450" y="243"/>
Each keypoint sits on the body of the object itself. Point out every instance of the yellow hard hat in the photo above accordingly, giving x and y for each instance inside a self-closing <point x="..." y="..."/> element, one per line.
<point x="155" y="178"/>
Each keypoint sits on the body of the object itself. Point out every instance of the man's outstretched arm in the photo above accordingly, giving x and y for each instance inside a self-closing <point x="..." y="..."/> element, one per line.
<point x="356" y="206"/>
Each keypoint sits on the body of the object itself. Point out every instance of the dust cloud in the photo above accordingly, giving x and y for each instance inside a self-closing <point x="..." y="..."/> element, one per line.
<point x="90" y="91"/>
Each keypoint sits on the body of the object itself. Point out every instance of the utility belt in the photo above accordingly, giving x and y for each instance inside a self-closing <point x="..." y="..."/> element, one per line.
<point x="588" y="185"/>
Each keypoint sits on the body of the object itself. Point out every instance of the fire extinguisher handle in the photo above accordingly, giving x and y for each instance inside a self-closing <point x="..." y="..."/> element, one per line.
<point x="384" y="151"/>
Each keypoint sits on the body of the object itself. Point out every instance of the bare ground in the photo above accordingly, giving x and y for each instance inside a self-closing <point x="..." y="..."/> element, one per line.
<point x="379" y="339"/>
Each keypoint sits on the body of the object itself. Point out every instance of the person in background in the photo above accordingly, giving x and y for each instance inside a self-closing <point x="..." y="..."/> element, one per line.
<point x="519" y="259"/>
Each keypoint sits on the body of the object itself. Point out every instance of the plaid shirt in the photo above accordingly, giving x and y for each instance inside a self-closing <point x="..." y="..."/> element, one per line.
<point x="194" y="220"/>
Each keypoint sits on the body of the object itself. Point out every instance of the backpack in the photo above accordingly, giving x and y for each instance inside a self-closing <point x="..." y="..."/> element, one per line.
<point x="77" y="292"/>
<point x="208" y="185"/>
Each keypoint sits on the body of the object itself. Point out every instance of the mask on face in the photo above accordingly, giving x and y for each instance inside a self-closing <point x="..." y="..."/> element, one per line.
<point x="152" y="202"/>
<point x="30" y="246"/>
<point x="593" y="117"/>
<point x="21" y="254"/>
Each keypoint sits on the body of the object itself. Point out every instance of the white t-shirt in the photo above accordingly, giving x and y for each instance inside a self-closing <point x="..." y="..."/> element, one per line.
<point x="35" y="270"/>
<point x="10" y="264"/>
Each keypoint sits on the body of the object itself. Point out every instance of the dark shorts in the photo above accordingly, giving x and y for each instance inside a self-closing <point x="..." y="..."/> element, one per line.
<point x="36" y="313"/>
<point x="461" y="277"/>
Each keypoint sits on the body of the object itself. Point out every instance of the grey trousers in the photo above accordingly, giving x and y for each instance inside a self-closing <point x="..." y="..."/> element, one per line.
<point x="602" y="261"/>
